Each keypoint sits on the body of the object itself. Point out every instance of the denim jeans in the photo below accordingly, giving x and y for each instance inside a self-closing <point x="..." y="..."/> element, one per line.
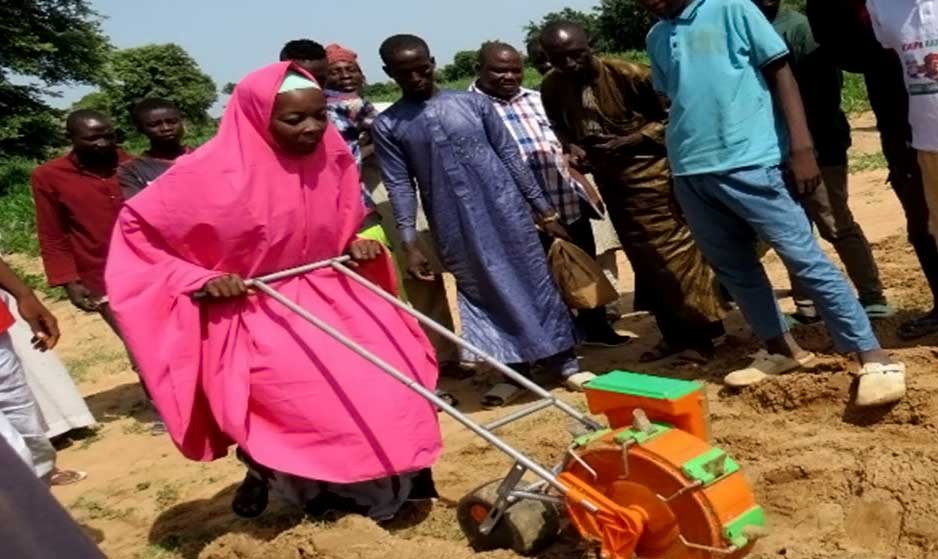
<point x="828" y="209"/>
<point x="729" y="212"/>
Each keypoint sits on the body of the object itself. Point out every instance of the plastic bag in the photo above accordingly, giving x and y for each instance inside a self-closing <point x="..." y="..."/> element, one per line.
<point x="580" y="278"/>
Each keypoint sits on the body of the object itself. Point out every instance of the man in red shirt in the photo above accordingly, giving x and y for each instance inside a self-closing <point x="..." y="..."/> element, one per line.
<point x="77" y="200"/>
<point x="21" y="423"/>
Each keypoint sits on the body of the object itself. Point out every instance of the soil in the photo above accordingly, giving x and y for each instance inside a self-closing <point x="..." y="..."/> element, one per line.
<point x="836" y="482"/>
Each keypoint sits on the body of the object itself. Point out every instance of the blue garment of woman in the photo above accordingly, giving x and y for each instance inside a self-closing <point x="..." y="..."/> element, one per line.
<point x="477" y="193"/>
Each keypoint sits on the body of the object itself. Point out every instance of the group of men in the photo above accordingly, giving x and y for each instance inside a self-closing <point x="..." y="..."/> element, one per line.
<point x="733" y="137"/>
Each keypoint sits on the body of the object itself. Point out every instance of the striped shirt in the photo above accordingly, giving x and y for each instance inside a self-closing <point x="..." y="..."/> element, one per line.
<point x="526" y="119"/>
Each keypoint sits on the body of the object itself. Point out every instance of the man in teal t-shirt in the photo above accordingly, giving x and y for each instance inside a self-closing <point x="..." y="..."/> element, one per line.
<point x="736" y="118"/>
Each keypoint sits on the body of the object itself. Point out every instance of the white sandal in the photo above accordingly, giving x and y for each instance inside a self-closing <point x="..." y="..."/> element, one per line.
<point x="576" y="382"/>
<point x="765" y="365"/>
<point x="880" y="384"/>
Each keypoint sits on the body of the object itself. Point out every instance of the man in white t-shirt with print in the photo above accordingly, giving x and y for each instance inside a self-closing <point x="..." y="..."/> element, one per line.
<point x="910" y="27"/>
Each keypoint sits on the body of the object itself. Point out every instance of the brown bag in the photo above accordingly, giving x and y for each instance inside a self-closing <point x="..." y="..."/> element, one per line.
<point x="581" y="280"/>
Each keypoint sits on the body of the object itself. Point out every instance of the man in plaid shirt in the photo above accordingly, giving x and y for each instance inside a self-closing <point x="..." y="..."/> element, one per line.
<point x="500" y="74"/>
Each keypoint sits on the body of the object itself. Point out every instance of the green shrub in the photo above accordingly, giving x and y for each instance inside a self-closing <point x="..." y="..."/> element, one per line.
<point x="17" y="214"/>
<point x="854" y="95"/>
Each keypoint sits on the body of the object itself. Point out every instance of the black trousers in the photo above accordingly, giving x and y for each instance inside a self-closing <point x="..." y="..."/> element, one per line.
<point x="890" y="102"/>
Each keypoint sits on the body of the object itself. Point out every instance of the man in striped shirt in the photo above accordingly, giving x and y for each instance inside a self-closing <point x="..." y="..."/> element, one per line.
<point x="501" y="71"/>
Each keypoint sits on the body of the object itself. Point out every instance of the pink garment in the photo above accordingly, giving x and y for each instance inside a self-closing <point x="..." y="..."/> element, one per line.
<point x="249" y="371"/>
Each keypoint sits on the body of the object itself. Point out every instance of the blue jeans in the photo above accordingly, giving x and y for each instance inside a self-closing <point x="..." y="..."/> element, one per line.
<point x="728" y="212"/>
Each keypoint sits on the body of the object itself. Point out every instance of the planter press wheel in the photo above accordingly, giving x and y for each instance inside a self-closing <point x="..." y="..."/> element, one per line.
<point x="525" y="527"/>
<point x="716" y="510"/>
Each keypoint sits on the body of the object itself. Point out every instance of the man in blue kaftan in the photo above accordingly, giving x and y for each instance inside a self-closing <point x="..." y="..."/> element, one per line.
<point x="478" y="195"/>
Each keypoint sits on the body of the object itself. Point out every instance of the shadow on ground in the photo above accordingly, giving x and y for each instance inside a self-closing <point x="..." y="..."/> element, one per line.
<point x="188" y="527"/>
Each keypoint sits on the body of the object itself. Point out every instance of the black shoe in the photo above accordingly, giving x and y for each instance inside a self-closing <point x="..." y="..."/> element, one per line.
<point x="919" y="327"/>
<point x="608" y="339"/>
<point x="250" y="500"/>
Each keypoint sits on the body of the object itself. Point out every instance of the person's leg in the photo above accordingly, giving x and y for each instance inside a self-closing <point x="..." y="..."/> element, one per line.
<point x="252" y="496"/>
<point x="157" y="427"/>
<point x="21" y="412"/>
<point x="830" y="211"/>
<point x="566" y="365"/>
<point x="761" y="198"/>
<point x="429" y="297"/>
<point x="890" y="103"/>
<point x="928" y="162"/>
<point x="105" y="311"/>
<point x="729" y="245"/>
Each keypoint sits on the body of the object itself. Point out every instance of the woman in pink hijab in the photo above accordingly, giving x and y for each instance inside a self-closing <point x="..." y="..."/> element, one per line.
<point x="274" y="189"/>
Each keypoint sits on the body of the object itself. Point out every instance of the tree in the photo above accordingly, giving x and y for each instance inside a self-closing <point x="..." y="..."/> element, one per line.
<point x="165" y="71"/>
<point x="589" y="21"/>
<point x="463" y="66"/>
<point x="623" y="25"/>
<point x="57" y="42"/>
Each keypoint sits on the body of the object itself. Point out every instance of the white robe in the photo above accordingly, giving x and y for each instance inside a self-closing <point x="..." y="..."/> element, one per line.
<point x="60" y="403"/>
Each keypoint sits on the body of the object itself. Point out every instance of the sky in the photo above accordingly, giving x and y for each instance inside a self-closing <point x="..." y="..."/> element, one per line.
<point x="228" y="39"/>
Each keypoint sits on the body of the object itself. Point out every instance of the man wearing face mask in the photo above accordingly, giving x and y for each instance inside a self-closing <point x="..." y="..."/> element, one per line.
<point x="77" y="198"/>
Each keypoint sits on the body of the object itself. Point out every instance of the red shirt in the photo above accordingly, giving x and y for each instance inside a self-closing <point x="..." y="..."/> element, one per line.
<point x="6" y="318"/>
<point x="75" y="212"/>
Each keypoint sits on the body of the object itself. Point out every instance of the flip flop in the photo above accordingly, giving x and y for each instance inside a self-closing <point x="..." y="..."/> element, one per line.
<point x="158" y="428"/>
<point x="577" y="381"/>
<point x="879" y="310"/>
<point x="66" y="477"/>
<point x="919" y="327"/>
<point x="880" y="384"/>
<point x="501" y="394"/>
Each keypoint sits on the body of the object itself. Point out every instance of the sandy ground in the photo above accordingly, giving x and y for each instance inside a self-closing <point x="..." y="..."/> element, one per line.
<point x="837" y="483"/>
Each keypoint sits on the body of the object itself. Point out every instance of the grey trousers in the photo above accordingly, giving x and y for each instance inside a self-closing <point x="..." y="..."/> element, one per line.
<point x="828" y="210"/>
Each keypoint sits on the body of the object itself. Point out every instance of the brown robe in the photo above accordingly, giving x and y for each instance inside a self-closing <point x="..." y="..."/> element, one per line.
<point x="672" y="280"/>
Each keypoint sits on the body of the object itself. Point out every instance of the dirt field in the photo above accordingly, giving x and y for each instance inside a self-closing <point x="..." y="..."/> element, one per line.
<point x="837" y="483"/>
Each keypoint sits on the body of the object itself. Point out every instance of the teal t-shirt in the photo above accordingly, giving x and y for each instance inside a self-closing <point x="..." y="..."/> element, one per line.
<point x="708" y="61"/>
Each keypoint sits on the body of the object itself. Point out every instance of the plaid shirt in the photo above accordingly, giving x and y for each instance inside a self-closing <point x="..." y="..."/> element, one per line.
<point x="352" y="115"/>
<point x="527" y="121"/>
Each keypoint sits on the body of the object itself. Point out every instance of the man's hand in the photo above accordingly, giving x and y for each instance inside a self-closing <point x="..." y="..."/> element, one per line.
<point x="79" y="295"/>
<point x="226" y="287"/>
<point x="804" y="171"/>
<point x="43" y="324"/>
<point x="417" y="264"/>
<point x="551" y="226"/>
<point x="365" y="249"/>
<point x="577" y="158"/>
<point x="616" y="144"/>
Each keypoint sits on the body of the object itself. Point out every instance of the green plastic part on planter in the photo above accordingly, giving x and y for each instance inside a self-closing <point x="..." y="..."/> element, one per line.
<point x="588" y="438"/>
<point x="631" y="435"/>
<point x="646" y="386"/>
<point x="711" y="466"/>
<point x="735" y="530"/>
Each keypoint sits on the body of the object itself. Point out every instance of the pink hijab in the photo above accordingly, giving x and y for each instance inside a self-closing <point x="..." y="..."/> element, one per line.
<point x="248" y="371"/>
